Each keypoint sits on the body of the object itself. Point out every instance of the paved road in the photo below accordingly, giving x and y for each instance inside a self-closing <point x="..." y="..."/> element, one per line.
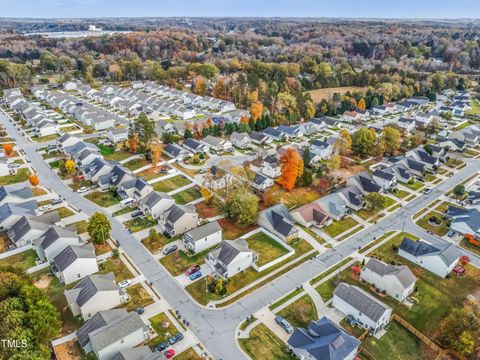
<point x="216" y="328"/>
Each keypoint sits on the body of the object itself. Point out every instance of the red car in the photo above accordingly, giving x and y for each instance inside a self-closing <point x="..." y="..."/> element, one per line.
<point x="169" y="353"/>
<point x="192" y="269"/>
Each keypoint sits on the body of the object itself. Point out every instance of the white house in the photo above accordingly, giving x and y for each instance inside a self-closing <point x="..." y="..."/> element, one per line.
<point x="75" y="262"/>
<point x="386" y="180"/>
<point x="240" y="140"/>
<point x="438" y="260"/>
<point x="117" y="135"/>
<point x="230" y="258"/>
<point x="368" y="312"/>
<point x="271" y="167"/>
<point x="155" y="204"/>
<point x="203" y="237"/>
<point x="216" y="143"/>
<point x="396" y="281"/>
<point x="54" y="241"/>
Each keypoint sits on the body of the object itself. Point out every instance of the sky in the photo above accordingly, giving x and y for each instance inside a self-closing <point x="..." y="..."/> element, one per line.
<point x="232" y="8"/>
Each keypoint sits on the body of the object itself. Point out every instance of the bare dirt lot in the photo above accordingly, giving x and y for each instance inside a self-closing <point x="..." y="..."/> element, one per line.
<point x="319" y="94"/>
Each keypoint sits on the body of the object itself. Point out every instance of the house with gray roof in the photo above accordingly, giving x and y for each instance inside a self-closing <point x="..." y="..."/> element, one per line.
<point x="261" y="182"/>
<point x="465" y="221"/>
<point x="110" y="333"/>
<point x="175" y="151"/>
<point x="367" y="311"/>
<point x="278" y="221"/>
<point x="230" y="258"/>
<point x="75" y="262"/>
<point x="10" y="213"/>
<point x="195" y="146"/>
<point x="387" y="180"/>
<point x="29" y="228"/>
<point x="397" y="281"/>
<point x="155" y="204"/>
<point x="178" y="219"/>
<point x="95" y="293"/>
<point x="440" y="260"/>
<point x="241" y="140"/>
<point x="333" y="205"/>
<point x="139" y="353"/>
<point x="98" y="167"/>
<point x="15" y="193"/>
<point x="364" y="182"/>
<point x="54" y="240"/>
<point x="136" y="189"/>
<point x="66" y="141"/>
<point x="117" y="176"/>
<point x="353" y="197"/>
<point x="216" y="143"/>
<point x="203" y="237"/>
<point x="323" y="340"/>
<point x="117" y="135"/>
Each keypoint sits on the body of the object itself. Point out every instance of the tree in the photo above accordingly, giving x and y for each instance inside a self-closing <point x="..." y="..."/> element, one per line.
<point x="361" y="104"/>
<point x="70" y="166"/>
<point x="307" y="156"/>
<point x="132" y="143"/>
<point x="305" y="179"/>
<point x="242" y="207"/>
<point x="34" y="179"/>
<point x="363" y="142"/>
<point x="187" y="134"/>
<point x="459" y="190"/>
<point x="391" y="138"/>
<point x="256" y="110"/>
<point x="292" y="167"/>
<point x="343" y="145"/>
<point x="156" y="150"/>
<point x="207" y="195"/>
<point x="8" y="148"/>
<point x="145" y="128"/>
<point x="334" y="162"/>
<point x="99" y="228"/>
<point x="375" y="201"/>
<point x="201" y="86"/>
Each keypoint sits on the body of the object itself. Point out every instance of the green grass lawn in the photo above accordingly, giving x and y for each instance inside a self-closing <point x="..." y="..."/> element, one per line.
<point x="163" y="327"/>
<point x="263" y="344"/>
<point x="266" y="248"/>
<point x="140" y="223"/>
<point x="155" y="245"/>
<point x="401" y="193"/>
<point x="138" y="297"/>
<point x="45" y="138"/>
<point x="440" y="229"/>
<point x="24" y="260"/>
<point x="340" y="226"/>
<point x="125" y="210"/>
<point x="55" y="164"/>
<point x="283" y="300"/>
<point x="103" y="199"/>
<point x="301" y="312"/>
<point x="118" y="268"/>
<point x="81" y="226"/>
<point x="188" y="354"/>
<point x="63" y="212"/>
<point x="329" y="271"/>
<point x="179" y="261"/>
<point x="117" y="155"/>
<point x="416" y="185"/>
<point x="170" y="184"/>
<point x="137" y="163"/>
<point x="106" y="150"/>
<point x="20" y="176"/>
<point x="186" y="196"/>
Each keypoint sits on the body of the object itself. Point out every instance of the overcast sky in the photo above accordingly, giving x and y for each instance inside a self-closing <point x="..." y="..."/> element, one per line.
<point x="261" y="8"/>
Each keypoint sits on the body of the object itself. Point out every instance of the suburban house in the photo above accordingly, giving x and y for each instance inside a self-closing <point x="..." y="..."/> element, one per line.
<point x="138" y="353"/>
<point x="323" y="340"/>
<point x="334" y="205"/>
<point x="352" y="196"/>
<point x="112" y="331"/>
<point x="438" y="260"/>
<point x="195" y="146"/>
<point x="320" y="150"/>
<point x="240" y="140"/>
<point x="419" y="154"/>
<point x="66" y="141"/>
<point x="54" y="240"/>
<point x="75" y="262"/>
<point x="217" y="144"/>
<point x="230" y="258"/>
<point x="290" y="131"/>
<point x="452" y="144"/>
<point x="261" y="182"/>
<point x="364" y="182"/>
<point x="117" y="135"/>
<point x="98" y="167"/>
<point x="16" y="193"/>
<point x="396" y="281"/>
<point x="178" y="219"/>
<point x="203" y="237"/>
<point x="116" y="177"/>
<point x="27" y="229"/>
<point x="274" y="134"/>
<point x="311" y="215"/>
<point x="386" y="180"/>
<point x="86" y="156"/>
<point x="278" y="221"/>
<point x="260" y="138"/>
<point x="135" y="189"/>
<point x="175" y="151"/>
<point x="217" y="178"/>
<point x="95" y="293"/>
<point x="366" y="310"/>
<point x="464" y="221"/>
<point x="10" y="213"/>
<point x="271" y="167"/>
<point x="155" y="204"/>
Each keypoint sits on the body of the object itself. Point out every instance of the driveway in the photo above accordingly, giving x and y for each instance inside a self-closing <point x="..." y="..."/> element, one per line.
<point x="184" y="280"/>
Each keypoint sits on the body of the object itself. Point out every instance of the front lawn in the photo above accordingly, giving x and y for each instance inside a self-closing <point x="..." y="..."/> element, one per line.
<point x="137" y="163"/>
<point x="155" y="244"/>
<point x="138" y="297"/>
<point x="401" y="193"/>
<point x="63" y="212"/>
<point x="163" y="327"/>
<point x="125" y="210"/>
<point x="266" y="248"/>
<point x="24" y="260"/>
<point x="103" y="199"/>
<point x="140" y="223"/>
<point x="263" y="344"/>
<point x="187" y="196"/>
<point x="81" y="226"/>
<point x="170" y="184"/>
<point x="338" y="227"/>
<point x="301" y="312"/>
<point x="416" y="185"/>
<point x="439" y="229"/>
<point x="117" y="155"/>
<point x="118" y="268"/>
<point x="188" y="354"/>
<point x="38" y="191"/>
<point x="45" y="138"/>
<point x="21" y="176"/>
<point x="179" y="261"/>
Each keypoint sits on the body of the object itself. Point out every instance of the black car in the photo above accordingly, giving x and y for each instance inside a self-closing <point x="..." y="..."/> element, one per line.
<point x="139" y="310"/>
<point x="136" y="213"/>
<point x="170" y="249"/>
<point x="161" y="346"/>
<point x="175" y="338"/>
<point x="57" y="201"/>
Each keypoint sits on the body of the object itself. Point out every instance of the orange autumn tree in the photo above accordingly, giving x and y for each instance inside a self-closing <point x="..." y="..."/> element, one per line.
<point x="8" y="148"/>
<point x="256" y="110"/>
<point x="133" y="143"/>
<point x="157" y="151"/>
<point x="33" y="180"/>
<point x="292" y="167"/>
<point x="361" y="104"/>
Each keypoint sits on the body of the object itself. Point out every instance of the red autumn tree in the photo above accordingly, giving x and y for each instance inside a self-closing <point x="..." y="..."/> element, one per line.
<point x="292" y="167"/>
<point x="8" y="148"/>
<point x="33" y="180"/>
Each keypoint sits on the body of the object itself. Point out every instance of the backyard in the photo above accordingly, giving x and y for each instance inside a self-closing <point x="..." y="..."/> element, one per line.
<point x="294" y="198"/>
<point x="118" y="268"/>
<point x="170" y="184"/>
<point x="137" y="163"/>
<point x="266" y="248"/>
<point x="151" y="173"/>
<point x="103" y="198"/>
<point x="118" y="155"/>
<point x="23" y="260"/>
<point x="63" y="212"/>
<point x="186" y="196"/>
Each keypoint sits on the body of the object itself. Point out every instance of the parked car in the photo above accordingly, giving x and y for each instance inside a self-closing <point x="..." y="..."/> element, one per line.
<point x="82" y="190"/>
<point x="169" y="353"/>
<point x="195" y="275"/>
<point x="421" y="179"/>
<point x="192" y="269"/>
<point x="284" y="324"/>
<point x="136" y="213"/>
<point x="427" y="190"/>
<point x="57" y="201"/>
<point x="139" y="310"/>
<point x="45" y="207"/>
<point x="451" y="233"/>
<point x="124" y="283"/>
<point x="170" y="249"/>
<point x="161" y="346"/>
<point x="175" y="338"/>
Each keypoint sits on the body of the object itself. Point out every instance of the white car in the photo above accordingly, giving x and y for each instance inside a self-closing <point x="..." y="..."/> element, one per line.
<point x="124" y="283"/>
<point x="82" y="189"/>
<point x="45" y="207"/>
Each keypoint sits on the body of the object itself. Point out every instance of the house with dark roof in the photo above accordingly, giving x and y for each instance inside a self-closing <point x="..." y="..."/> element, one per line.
<point x="419" y="154"/>
<point x="95" y="293"/>
<point x="67" y="141"/>
<point x="323" y="340"/>
<point x="453" y="144"/>
<point x="291" y="131"/>
<point x="260" y="138"/>
<point x="275" y="134"/>
<point x="203" y="237"/>
<point x="353" y="197"/>
<point x="115" y="178"/>
<point x="98" y="167"/>
<point x="54" y="240"/>
<point x="311" y="215"/>
<point x="112" y="332"/>
<point x="364" y="182"/>
<point x="278" y="221"/>
<point x="16" y="193"/>
<point x="367" y="311"/>
<point x="136" y="189"/>
<point x="155" y="204"/>
<point x="29" y="228"/>
<point x="320" y="150"/>
<point x="175" y="151"/>
<point x="397" y="281"/>
<point x="271" y="167"/>
<point x="386" y="180"/>
<point x="75" y="262"/>
<point x="440" y="260"/>
<point x="261" y="182"/>
<point x="400" y="171"/>
<point x="217" y="178"/>
<point x="195" y="146"/>
<point x="334" y="205"/>
<point x="230" y="258"/>
<point x="178" y="219"/>
<point x="10" y="213"/>
<point x="464" y="221"/>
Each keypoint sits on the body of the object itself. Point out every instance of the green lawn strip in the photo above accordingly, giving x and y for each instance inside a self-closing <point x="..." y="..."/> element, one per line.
<point x="140" y="223"/>
<point x="285" y="298"/>
<point x="139" y="297"/>
<point x="189" y="354"/>
<point x="373" y="243"/>
<point x="247" y="322"/>
<point x="350" y="233"/>
<point x="118" y="268"/>
<point x="117" y="155"/>
<point x="313" y="234"/>
<point x="365" y="214"/>
<point x="416" y="185"/>
<point x="81" y="226"/>
<point x="330" y="271"/>
<point x="411" y="197"/>
<point x="45" y="138"/>
<point x="401" y="193"/>
<point x="419" y="213"/>
<point x="136" y="163"/>
<point x="103" y="198"/>
<point x="469" y="246"/>
<point x="125" y="210"/>
<point x="63" y="212"/>
<point x="301" y="312"/>
<point x="20" y="176"/>
<point x="239" y="281"/>
<point x="55" y="164"/>
<point x="266" y="248"/>
<point x="170" y="184"/>
<point x="179" y="261"/>
<point x="338" y="227"/>
<point x="24" y="260"/>
<point x="263" y="344"/>
<point x="440" y="229"/>
<point x="393" y="208"/>
<point x="164" y="328"/>
<point x="186" y="196"/>
<point x="443" y="207"/>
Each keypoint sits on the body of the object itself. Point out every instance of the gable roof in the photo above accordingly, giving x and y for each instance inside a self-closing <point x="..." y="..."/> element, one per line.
<point x="449" y="254"/>
<point x="402" y="273"/>
<point x="53" y="234"/>
<point x="203" y="231"/>
<point x="228" y="250"/>
<point x="90" y="285"/>
<point x="280" y="219"/>
<point x="97" y="321"/>
<point x="72" y="253"/>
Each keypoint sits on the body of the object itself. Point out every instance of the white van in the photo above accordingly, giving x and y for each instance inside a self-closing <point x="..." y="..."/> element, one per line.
<point x="126" y="202"/>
